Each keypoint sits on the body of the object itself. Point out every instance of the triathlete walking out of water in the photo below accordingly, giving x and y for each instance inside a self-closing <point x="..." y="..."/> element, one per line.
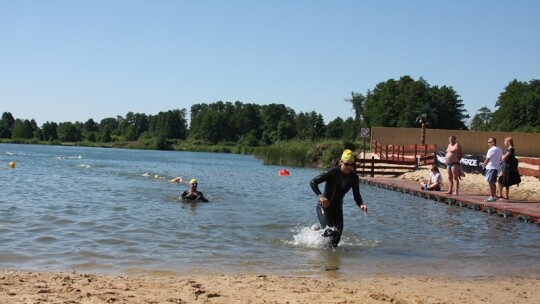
<point x="339" y="181"/>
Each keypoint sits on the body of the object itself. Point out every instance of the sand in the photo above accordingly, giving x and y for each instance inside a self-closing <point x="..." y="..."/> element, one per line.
<point x="38" y="287"/>
<point x="528" y="189"/>
<point x="34" y="287"/>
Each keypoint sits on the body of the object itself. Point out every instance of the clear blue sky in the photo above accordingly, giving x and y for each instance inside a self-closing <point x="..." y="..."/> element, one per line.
<point x="75" y="60"/>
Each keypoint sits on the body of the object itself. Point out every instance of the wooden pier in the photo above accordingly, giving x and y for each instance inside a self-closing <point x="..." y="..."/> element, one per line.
<point x="526" y="211"/>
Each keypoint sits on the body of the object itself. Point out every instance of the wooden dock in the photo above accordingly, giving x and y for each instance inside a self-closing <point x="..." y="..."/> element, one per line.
<point x="526" y="211"/>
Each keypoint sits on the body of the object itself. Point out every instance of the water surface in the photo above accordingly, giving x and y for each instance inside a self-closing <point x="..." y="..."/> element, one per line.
<point x="94" y="210"/>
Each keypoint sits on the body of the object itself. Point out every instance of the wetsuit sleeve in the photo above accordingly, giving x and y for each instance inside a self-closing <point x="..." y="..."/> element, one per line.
<point x="316" y="181"/>
<point x="202" y="198"/>
<point x="356" y="193"/>
<point x="184" y="194"/>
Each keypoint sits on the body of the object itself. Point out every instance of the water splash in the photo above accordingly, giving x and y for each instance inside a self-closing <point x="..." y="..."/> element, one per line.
<point x="307" y="237"/>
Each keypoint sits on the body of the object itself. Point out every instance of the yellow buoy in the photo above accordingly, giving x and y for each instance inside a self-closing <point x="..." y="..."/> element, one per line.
<point x="12" y="165"/>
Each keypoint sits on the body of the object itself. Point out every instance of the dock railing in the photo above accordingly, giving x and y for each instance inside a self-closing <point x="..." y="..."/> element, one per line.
<point x="398" y="159"/>
<point x="529" y="166"/>
<point x="424" y="153"/>
<point x="394" y="159"/>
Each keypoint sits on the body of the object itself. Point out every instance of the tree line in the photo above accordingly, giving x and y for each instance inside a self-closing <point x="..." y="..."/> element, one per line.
<point x="394" y="103"/>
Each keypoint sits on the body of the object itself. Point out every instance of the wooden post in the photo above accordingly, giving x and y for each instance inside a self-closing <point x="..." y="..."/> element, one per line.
<point x="372" y="166"/>
<point x="423" y="133"/>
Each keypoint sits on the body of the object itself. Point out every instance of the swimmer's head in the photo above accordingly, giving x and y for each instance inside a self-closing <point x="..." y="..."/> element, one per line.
<point x="193" y="182"/>
<point x="347" y="156"/>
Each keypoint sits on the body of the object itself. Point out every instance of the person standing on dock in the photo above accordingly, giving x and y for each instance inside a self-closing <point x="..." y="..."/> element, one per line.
<point x="339" y="180"/>
<point x="454" y="153"/>
<point x="491" y="164"/>
<point x="509" y="174"/>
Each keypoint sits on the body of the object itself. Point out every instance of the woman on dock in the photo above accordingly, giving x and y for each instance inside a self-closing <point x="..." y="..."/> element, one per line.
<point x="509" y="174"/>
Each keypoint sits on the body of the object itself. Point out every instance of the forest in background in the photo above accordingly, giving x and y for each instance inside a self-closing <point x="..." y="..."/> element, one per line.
<point x="245" y="126"/>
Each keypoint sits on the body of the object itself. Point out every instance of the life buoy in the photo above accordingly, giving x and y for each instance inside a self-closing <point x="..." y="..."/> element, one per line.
<point x="283" y="172"/>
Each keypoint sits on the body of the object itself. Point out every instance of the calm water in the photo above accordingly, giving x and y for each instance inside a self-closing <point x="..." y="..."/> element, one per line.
<point x="92" y="210"/>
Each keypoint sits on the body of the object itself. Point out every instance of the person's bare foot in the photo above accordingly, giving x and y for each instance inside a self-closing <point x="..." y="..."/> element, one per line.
<point x="455" y="193"/>
<point x="448" y="192"/>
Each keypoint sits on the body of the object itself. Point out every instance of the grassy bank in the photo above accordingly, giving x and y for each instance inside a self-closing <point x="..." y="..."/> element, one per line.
<point x="286" y="153"/>
<point x="304" y="153"/>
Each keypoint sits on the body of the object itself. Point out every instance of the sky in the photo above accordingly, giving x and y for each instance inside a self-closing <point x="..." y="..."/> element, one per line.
<point x="71" y="61"/>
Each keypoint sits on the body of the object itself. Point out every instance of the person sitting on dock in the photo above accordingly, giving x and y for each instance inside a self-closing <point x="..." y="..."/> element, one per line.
<point x="435" y="180"/>
<point x="192" y="194"/>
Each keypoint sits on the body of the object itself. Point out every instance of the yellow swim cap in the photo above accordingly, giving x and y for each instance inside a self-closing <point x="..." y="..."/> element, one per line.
<point x="193" y="181"/>
<point x="347" y="156"/>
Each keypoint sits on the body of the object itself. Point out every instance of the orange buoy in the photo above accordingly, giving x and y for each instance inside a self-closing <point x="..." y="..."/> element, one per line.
<point x="283" y="172"/>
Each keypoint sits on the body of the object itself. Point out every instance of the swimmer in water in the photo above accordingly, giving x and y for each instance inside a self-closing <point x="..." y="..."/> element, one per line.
<point x="192" y="194"/>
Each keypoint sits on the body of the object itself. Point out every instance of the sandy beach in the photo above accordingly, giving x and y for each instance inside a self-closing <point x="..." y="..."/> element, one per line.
<point x="75" y="287"/>
<point x="34" y="287"/>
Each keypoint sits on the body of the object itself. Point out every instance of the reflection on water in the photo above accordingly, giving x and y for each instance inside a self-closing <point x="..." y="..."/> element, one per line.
<point x="116" y="211"/>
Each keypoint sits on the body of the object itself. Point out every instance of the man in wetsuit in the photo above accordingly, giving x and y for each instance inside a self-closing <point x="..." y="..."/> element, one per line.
<point x="192" y="194"/>
<point x="339" y="181"/>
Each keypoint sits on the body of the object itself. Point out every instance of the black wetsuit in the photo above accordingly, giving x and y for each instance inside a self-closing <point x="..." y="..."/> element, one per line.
<point x="187" y="196"/>
<point x="337" y="185"/>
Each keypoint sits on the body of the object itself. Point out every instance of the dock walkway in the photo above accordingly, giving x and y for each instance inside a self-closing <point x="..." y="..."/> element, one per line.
<point x="526" y="211"/>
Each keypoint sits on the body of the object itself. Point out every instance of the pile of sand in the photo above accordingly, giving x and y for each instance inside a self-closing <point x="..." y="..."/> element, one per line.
<point x="528" y="190"/>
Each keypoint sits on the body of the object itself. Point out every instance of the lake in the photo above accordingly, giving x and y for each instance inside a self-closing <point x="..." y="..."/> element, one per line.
<point x="114" y="211"/>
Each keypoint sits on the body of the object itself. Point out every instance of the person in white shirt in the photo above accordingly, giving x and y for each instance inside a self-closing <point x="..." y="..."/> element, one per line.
<point x="492" y="164"/>
<point x="435" y="180"/>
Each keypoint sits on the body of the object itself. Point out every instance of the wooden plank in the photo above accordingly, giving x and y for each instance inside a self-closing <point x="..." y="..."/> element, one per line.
<point x="384" y="161"/>
<point x="529" y="161"/>
<point x="528" y="211"/>
<point x="382" y="167"/>
<point x="529" y="172"/>
<point x="369" y="173"/>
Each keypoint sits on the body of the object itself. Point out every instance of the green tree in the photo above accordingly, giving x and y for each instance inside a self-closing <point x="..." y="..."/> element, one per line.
<point x="518" y="107"/>
<point x="89" y="130"/>
<point x="214" y="126"/>
<point x="309" y="126"/>
<point x="246" y="121"/>
<point x="400" y="103"/>
<point x="49" y="131"/>
<point x="482" y="120"/>
<point x="22" y="129"/>
<point x="334" y="129"/>
<point x="274" y="117"/>
<point x="172" y="124"/>
<point x="449" y="110"/>
<point x="6" y="125"/>
<point x="69" y="132"/>
<point x="350" y="132"/>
